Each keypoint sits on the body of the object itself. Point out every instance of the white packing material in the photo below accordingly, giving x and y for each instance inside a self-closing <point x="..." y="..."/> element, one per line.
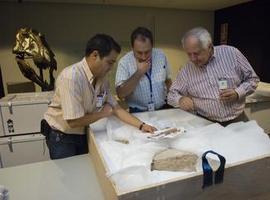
<point x="236" y="142"/>
<point x="241" y="142"/>
<point x="132" y="177"/>
<point x="121" y="156"/>
<point x="113" y="153"/>
<point x="129" y="164"/>
<point x="142" y="154"/>
<point x="122" y="133"/>
<point x="263" y="89"/>
<point x="138" y="176"/>
<point x="195" y="140"/>
<point x="135" y="177"/>
<point x="118" y="131"/>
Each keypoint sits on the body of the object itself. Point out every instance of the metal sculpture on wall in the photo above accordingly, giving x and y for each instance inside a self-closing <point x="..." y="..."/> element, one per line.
<point x="31" y="44"/>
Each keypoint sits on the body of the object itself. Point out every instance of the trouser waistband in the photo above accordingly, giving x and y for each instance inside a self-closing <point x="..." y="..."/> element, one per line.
<point x="242" y="117"/>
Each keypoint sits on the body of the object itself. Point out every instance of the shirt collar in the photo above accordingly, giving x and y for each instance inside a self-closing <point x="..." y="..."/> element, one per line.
<point x="214" y="53"/>
<point x="87" y="71"/>
<point x="211" y="58"/>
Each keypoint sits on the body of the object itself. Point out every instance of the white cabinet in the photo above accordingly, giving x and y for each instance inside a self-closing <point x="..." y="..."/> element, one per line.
<point x="20" y="138"/>
<point x="21" y="113"/>
<point x="17" y="150"/>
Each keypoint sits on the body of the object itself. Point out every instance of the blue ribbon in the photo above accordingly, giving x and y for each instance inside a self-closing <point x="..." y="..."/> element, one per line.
<point x="208" y="172"/>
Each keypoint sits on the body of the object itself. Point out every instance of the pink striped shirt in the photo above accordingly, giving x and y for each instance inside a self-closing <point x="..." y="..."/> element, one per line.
<point x="201" y="84"/>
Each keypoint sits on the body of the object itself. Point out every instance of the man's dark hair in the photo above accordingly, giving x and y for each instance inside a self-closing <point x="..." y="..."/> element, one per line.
<point x="141" y="33"/>
<point x="102" y="43"/>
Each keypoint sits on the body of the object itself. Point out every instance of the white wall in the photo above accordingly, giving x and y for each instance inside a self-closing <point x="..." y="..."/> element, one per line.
<point x="67" y="27"/>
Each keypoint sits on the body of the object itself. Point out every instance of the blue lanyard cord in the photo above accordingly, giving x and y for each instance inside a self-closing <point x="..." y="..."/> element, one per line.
<point x="148" y="75"/>
<point x="208" y="172"/>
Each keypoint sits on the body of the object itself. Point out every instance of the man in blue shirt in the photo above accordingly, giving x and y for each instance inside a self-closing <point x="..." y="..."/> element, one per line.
<point x="143" y="74"/>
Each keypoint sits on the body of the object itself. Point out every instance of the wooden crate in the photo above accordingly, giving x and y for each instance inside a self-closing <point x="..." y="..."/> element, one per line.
<point x="245" y="180"/>
<point x="242" y="180"/>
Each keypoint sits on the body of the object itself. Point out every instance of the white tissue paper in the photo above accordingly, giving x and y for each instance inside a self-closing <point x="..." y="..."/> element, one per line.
<point x="122" y="156"/>
<point x="132" y="177"/>
<point x="119" y="131"/>
<point x="263" y="89"/>
<point x="129" y="164"/>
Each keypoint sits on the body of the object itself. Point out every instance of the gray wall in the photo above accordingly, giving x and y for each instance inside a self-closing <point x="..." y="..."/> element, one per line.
<point x="67" y="27"/>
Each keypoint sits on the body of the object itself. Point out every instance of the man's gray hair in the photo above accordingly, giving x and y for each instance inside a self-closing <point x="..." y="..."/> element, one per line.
<point x="201" y="34"/>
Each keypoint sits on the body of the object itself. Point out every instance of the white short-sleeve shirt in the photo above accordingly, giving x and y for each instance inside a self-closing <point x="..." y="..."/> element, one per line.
<point x="75" y="97"/>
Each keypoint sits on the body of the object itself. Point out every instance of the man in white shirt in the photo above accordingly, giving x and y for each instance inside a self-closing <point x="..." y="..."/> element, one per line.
<point x="82" y="97"/>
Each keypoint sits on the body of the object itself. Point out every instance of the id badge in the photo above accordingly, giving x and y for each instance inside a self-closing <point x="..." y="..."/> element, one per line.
<point x="151" y="106"/>
<point x="99" y="102"/>
<point x="223" y="84"/>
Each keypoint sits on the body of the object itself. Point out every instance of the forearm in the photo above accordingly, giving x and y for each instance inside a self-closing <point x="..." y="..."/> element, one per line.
<point x="178" y="89"/>
<point x="126" y="117"/>
<point x="247" y="87"/>
<point x="174" y="97"/>
<point x="249" y="79"/>
<point x="86" y="119"/>
<point x="126" y="88"/>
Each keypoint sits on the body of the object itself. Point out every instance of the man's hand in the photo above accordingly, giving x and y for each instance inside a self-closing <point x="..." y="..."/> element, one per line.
<point x="107" y="110"/>
<point x="186" y="103"/>
<point x="143" y="66"/>
<point x="228" y="95"/>
<point x="148" y="128"/>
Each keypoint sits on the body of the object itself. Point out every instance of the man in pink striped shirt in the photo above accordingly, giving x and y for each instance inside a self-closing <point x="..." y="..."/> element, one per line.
<point x="215" y="82"/>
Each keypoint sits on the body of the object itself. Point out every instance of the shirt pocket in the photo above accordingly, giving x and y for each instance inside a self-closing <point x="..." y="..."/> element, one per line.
<point x="159" y="76"/>
<point x="233" y="81"/>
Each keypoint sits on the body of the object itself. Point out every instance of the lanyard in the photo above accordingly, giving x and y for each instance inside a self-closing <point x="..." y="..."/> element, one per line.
<point x="208" y="172"/>
<point x="148" y="75"/>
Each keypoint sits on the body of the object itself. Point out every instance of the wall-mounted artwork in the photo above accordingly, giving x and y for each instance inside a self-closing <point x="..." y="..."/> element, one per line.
<point x="224" y="33"/>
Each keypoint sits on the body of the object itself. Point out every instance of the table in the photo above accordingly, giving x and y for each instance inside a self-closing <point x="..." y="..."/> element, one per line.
<point x="68" y="179"/>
